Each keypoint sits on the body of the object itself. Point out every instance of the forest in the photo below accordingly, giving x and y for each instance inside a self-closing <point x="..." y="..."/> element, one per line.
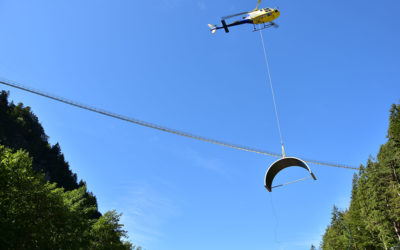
<point x="372" y="220"/>
<point x="42" y="204"/>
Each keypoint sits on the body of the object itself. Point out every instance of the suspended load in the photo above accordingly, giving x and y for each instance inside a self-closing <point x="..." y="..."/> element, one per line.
<point x="281" y="164"/>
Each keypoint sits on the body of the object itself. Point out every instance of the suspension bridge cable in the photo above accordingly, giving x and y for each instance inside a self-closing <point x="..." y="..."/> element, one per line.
<point x="272" y="91"/>
<point x="158" y="127"/>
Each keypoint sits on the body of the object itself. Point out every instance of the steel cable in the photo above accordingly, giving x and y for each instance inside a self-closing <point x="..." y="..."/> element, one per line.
<point x="272" y="91"/>
<point x="158" y="127"/>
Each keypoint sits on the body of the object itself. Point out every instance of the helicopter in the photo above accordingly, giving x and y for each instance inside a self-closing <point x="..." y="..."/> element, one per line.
<point x="264" y="16"/>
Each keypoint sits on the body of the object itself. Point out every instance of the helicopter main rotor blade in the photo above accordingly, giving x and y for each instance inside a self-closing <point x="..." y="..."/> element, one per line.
<point x="259" y="1"/>
<point x="234" y="15"/>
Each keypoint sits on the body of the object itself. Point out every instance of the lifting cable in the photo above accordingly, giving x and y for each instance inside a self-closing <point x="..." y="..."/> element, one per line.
<point x="158" y="127"/>
<point x="273" y="94"/>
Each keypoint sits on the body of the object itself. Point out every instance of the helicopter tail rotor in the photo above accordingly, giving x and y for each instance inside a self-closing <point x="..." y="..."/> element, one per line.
<point x="213" y="28"/>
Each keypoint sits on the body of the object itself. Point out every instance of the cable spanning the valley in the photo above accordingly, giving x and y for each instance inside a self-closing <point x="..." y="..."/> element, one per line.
<point x="158" y="127"/>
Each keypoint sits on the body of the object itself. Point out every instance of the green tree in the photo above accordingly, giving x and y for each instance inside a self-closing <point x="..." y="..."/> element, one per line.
<point x="70" y="209"/>
<point x="374" y="213"/>
<point x="35" y="214"/>
<point x="335" y="236"/>
<point x="107" y="231"/>
<point x="20" y="129"/>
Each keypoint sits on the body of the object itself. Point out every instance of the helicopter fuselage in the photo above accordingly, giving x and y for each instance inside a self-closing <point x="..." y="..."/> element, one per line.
<point x="265" y="15"/>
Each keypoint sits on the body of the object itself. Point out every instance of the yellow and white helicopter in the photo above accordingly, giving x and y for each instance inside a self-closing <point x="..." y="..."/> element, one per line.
<point x="264" y="16"/>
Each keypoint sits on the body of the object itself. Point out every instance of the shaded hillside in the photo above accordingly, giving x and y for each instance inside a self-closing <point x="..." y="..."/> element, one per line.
<point x="20" y="129"/>
<point x="373" y="218"/>
<point x="42" y="206"/>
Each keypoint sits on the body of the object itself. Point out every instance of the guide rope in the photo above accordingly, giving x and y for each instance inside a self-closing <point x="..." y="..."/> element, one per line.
<point x="273" y="94"/>
<point x="276" y="220"/>
<point x="158" y="127"/>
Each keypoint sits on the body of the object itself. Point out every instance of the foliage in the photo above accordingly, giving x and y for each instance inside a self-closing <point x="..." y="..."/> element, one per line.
<point x="106" y="232"/>
<point x="35" y="214"/>
<point x="373" y="217"/>
<point x="41" y="204"/>
<point x="20" y="129"/>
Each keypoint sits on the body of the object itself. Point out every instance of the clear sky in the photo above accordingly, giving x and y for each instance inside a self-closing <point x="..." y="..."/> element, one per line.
<point x="335" y="68"/>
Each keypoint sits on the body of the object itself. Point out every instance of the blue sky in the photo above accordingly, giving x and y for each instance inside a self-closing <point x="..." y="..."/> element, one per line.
<point x="335" y="69"/>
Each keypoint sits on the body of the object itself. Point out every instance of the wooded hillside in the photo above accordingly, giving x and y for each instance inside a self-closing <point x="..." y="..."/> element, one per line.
<point x="373" y="219"/>
<point x="42" y="206"/>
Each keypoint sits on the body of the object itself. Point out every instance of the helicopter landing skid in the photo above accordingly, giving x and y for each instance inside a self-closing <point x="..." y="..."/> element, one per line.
<point x="264" y="27"/>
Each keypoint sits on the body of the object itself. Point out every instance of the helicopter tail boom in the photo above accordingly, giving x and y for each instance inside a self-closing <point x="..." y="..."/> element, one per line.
<point x="226" y="26"/>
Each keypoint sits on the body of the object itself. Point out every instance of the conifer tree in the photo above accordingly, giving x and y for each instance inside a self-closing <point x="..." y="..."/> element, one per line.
<point x="374" y="213"/>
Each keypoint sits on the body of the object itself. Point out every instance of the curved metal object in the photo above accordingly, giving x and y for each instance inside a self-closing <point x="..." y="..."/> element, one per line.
<point x="283" y="163"/>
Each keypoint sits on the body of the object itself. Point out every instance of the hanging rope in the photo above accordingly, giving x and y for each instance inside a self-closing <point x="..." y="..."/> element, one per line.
<point x="276" y="219"/>
<point x="158" y="127"/>
<point x="273" y="94"/>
